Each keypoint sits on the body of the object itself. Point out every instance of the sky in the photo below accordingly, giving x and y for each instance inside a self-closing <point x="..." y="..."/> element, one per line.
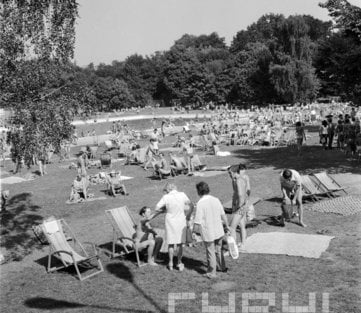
<point x="110" y="30"/>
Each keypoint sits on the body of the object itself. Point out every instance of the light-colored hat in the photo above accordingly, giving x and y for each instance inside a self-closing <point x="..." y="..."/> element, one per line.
<point x="113" y="172"/>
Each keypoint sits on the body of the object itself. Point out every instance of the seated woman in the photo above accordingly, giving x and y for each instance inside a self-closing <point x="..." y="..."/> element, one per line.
<point x="162" y="168"/>
<point x="115" y="184"/>
<point x="79" y="189"/>
<point x="177" y="165"/>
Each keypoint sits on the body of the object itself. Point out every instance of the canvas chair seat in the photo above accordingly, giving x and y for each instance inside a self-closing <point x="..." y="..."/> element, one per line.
<point x="328" y="182"/>
<point x="123" y="232"/>
<point x="60" y="248"/>
<point x="197" y="164"/>
<point x="312" y="189"/>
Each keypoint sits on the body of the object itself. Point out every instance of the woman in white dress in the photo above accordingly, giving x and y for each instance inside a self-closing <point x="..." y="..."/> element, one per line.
<point x="174" y="204"/>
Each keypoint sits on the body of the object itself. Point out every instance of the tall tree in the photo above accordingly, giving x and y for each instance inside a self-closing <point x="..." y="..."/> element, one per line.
<point x="347" y="16"/>
<point x="41" y="33"/>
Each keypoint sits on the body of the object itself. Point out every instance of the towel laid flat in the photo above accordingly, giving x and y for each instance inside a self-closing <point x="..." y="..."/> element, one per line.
<point x="87" y="200"/>
<point x="208" y="173"/>
<point x="13" y="180"/>
<point x="308" y="246"/>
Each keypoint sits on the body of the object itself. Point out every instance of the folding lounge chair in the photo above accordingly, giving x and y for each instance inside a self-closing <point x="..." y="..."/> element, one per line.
<point x="141" y="155"/>
<point x="312" y="189"/>
<point x="123" y="232"/>
<point x="197" y="164"/>
<point x="60" y="248"/>
<point x="178" y="165"/>
<point x="328" y="182"/>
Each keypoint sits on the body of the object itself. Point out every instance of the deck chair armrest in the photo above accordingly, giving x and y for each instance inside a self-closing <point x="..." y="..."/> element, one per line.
<point x="132" y="240"/>
<point x="93" y="245"/>
<point x="62" y="251"/>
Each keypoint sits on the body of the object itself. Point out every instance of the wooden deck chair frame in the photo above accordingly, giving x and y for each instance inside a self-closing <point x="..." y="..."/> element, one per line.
<point x="328" y="182"/>
<point x="180" y="165"/>
<point x="312" y="189"/>
<point x="123" y="224"/>
<point x="197" y="164"/>
<point x="60" y="249"/>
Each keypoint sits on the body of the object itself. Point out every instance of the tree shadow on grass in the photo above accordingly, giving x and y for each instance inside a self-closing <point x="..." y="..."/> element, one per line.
<point x="16" y="226"/>
<point x="43" y="303"/>
<point x="313" y="159"/>
<point x="121" y="271"/>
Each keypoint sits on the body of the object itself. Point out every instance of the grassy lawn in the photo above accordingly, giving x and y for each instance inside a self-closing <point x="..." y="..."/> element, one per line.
<point x="123" y="287"/>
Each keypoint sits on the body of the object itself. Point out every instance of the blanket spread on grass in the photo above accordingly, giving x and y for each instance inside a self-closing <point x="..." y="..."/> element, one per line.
<point x="308" y="246"/>
<point x="85" y="201"/>
<point x="13" y="180"/>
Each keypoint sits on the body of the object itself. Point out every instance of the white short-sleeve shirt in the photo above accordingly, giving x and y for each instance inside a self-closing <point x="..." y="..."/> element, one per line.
<point x="208" y="215"/>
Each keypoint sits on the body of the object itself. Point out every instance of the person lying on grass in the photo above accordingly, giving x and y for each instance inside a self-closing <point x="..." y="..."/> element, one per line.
<point x="147" y="236"/>
<point x="115" y="184"/>
<point x="79" y="189"/>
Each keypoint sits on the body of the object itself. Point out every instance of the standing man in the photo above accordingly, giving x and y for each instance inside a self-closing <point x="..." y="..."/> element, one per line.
<point x="241" y="192"/>
<point x="209" y="219"/>
<point x="330" y="131"/>
<point x="291" y="186"/>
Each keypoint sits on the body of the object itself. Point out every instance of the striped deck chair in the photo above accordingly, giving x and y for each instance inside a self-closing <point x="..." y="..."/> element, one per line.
<point x="311" y="189"/>
<point x="124" y="229"/>
<point x="178" y="165"/>
<point x="124" y="149"/>
<point x="328" y="182"/>
<point x="141" y="155"/>
<point x="60" y="248"/>
<point x="197" y="165"/>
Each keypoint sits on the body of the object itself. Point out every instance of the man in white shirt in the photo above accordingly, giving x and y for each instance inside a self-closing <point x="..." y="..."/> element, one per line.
<point x="208" y="220"/>
<point x="291" y="186"/>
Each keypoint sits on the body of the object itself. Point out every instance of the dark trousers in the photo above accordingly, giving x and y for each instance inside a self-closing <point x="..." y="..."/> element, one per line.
<point x="330" y="140"/>
<point x="157" y="246"/>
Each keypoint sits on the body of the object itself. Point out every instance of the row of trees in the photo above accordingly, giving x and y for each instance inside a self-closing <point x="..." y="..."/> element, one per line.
<point x="276" y="59"/>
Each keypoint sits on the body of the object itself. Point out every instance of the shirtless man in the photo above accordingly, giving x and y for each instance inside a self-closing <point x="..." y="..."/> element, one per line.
<point x="241" y="192"/>
<point x="291" y="186"/>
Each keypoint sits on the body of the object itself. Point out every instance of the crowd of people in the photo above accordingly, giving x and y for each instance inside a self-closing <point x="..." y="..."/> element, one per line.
<point x="185" y="221"/>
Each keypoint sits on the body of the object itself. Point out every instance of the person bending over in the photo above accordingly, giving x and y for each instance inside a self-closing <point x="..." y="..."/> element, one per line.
<point x="291" y="187"/>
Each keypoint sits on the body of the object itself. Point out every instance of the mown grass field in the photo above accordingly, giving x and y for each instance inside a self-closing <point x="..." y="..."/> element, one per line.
<point x="123" y="287"/>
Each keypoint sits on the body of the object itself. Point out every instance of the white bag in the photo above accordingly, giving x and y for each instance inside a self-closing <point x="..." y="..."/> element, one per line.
<point x="232" y="247"/>
<point x="251" y="213"/>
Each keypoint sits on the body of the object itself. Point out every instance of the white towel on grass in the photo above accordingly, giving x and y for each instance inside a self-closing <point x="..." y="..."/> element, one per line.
<point x="308" y="246"/>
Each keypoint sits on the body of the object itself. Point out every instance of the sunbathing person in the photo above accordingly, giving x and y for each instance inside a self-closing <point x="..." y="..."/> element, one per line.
<point x="152" y="150"/>
<point x="148" y="236"/>
<point x="162" y="167"/>
<point x="115" y="184"/>
<point x="187" y="150"/>
<point x="177" y="165"/>
<point x="79" y="189"/>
